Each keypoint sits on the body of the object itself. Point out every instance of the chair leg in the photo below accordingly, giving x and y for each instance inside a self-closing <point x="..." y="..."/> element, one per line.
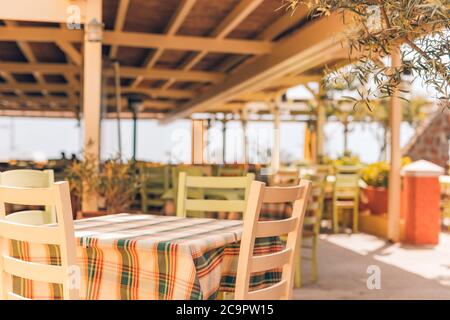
<point x="314" y="260"/>
<point x="298" y="270"/>
<point x="355" y="217"/>
<point x="335" y="219"/>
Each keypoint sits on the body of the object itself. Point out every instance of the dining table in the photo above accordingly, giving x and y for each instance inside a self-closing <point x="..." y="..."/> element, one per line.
<point x="150" y="257"/>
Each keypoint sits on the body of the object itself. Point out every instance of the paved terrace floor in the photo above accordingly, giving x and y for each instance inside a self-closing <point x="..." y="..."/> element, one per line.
<point x="407" y="272"/>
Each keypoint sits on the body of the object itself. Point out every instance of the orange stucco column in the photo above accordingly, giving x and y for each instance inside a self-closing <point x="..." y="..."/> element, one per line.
<point x="421" y="202"/>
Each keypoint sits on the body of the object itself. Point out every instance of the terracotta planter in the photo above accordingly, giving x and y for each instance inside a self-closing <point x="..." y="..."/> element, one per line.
<point x="377" y="200"/>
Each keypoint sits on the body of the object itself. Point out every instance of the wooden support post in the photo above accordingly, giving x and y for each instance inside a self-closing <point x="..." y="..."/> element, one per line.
<point x="92" y="92"/>
<point x="394" y="188"/>
<point x="224" y="139"/>
<point x="198" y="130"/>
<point x="320" y="124"/>
<point x="244" y="123"/>
<point x="276" y="140"/>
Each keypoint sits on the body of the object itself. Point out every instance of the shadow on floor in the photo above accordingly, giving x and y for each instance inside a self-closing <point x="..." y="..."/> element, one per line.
<point x="343" y="275"/>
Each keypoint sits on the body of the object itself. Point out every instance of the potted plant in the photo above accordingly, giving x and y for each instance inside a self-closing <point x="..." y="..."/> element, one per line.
<point x="82" y="176"/>
<point x="114" y="182"/>
<point x="376" y="177"/>
<point x="118" y="185"/>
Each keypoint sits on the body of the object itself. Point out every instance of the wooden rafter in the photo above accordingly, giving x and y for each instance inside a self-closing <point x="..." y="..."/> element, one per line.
<point x="70" y="51"/>
<point x="180" y="14"/>
<point x="41" y="11"/>
<point x="315" y="39"/>
<point x="74" y="86"/>
<point x="119" y="23"/>
<point x="240" y="12"/>
<point x="286" y="22"/>
<point x="29" y="55"/>
<point x="139" y="40"/>
<point x="130" y="72"/>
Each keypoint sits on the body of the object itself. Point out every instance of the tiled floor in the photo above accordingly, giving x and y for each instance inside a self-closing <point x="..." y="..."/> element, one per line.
<point x="406" y="272"/>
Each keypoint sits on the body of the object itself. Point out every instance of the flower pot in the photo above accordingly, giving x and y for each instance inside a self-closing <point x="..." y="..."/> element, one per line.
<point x="377" y="200"/>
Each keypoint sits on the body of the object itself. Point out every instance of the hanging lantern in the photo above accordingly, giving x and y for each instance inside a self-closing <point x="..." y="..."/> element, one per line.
<point x="94" y="31"/>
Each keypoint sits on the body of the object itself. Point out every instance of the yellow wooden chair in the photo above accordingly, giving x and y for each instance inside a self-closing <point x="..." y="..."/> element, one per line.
<point x="231" y="171"/>
<point x="186" y="203"/>
<point x="154" y="183"/>
<point x="346" y="194"/>
<point x="30" y="179"/>
<point x="311" y="227"/>
<point x="253" y="228"/>
<point x="62" y="235"/>
<point x="285" y="178"/>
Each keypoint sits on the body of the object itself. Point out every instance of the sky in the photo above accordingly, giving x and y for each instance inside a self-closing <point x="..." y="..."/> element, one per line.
<point x="40" y="139"/>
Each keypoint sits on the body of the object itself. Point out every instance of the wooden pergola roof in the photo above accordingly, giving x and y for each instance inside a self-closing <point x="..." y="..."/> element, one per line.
<point x="184" y="56"/>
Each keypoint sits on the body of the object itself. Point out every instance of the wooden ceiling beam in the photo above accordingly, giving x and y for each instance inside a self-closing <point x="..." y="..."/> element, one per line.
<point x="282" y="24"/>
<point x="292" y="81"/>
<point x="297" y="51"/>
<point x="126" y="72"/>
<point x="70" y="52"/>
<point x="159" y="73"/>
<point x="68" y="114"/>
<point x="119" y="23"/>
<point x="29" y="55"/>
<point x="53" y="87"/>
<point x="172" y="27"/>
<point x="41" y="11"/>
<point x="139" y="40"/>
<point x="239" y="13"/>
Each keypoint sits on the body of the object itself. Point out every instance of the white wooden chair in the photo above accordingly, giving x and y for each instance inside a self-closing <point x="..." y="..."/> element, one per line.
<point x="30" y="179"/>
<point x="61" y="234"/>
<point x="253" y="229"/>
<point x="223" y="184"/>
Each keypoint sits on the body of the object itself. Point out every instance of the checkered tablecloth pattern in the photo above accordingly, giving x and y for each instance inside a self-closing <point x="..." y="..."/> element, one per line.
<point x="128" y="256"/>
<point x="275" y="211"/>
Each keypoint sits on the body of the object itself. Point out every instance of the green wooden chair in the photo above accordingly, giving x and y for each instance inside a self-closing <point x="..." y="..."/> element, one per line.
<point x="30" y="179"/>
<point x="170" y="196"/>
<point x="346" y="194"/>
<point x="311" y="227"/>
<point x="231" y="171"/>
<point x="154" y="183"/>
<point x="195" y="206"/>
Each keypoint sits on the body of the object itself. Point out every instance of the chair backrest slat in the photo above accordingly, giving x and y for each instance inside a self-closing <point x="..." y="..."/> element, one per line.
<point x="283" y="194"/>
<point x="28" y="196"/>
<point x="271" y="293"/>
<point x="253" y="229"/>
<point x="275" y="228"/>
<point x="30" y="233"/>
<point x="34" y="271"/>
<point x="270" y="261"/>
<point x="30" y="179"/>
<point x="216" y="182"/>
<point x="187" y="184"/>
<point x="215" y="205"/>
<point x="60" y="234"/>
<point x="27" y="178"/>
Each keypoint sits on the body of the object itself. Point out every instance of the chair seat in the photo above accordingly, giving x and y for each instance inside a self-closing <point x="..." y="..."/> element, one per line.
<point x="343" y="203"/>
<point x="345" y="194"/>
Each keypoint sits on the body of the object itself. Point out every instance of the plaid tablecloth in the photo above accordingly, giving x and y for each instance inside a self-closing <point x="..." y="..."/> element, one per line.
<point x="128" y="256"/>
